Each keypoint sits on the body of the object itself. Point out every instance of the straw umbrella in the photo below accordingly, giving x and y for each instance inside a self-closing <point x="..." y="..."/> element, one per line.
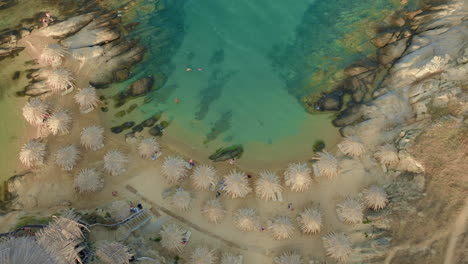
<point x="59" y="122"/>
<point x="202" y="255"/>
<point x="119" y="210"/>
<point x="297" y="176"/>
<point x="174" y="168"/>
<point x="203" y="177"/>
<point x="61" y="79"/>
<point x="87" y="99"/>
<point x="326" y="165"/>
<point x="89" y="180"/>
<point x="387" y="155"/>
<point x="113" y="253"/>
<point x="289" y="258"/>
<point x="171" y="237"/>
<point x="33" y="153"/>
<point x="53" y="55"/>
<point x="375" y="197"/>
<point x="148" y="147"/>
<point x="268" y="187"/>
<point x="338" y="246"/>
<point x="214" y="211"/>
<point x="67" y="157"/>
<point x="180" y="199"/>
<point x="352" y="146"/>
<point x="236" y="184"/>
<point x="92" y="138"/>
<point x="115" y="162"/>
<point x="246" y="219"/>
<point x="310" y="221"/>
<point x="282" y="227"/>
<point x="229" y="258"/>
<point x="350" y="211"/>
<point x="24" y="250"/>
<point x="35" y="110"/>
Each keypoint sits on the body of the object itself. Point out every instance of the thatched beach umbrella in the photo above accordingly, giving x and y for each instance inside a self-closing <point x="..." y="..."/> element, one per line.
<point x="59" y="122"/>
<point x="89" y="180"/>
<point x="87" y="99"/>
<point x="387" y="155"/>
<point x="61" y="79"/>
<point x="229" y="258"/>
<point x="246" y="219"/>
<point x="174" y="168"/>
<point x="119" y="210"/>
<point x="171" y="237"/>
<point x="338" y="246"/>
<point x="67" y="157"/>
<point x="326" y="165"/>
<point x="115" y="162"/>
<point x="281" y="227"/>
<point x="24" y="250"/>
<point x="310" y="221"/>
<point x="92" y="138"/>
<point x="297" y="177"/>
<point x="268" y="186"/>
<point x="180" y="199"/>
<point x="289" y="258"/>
<point x="350" y="211"/>
<point x="113" y="253"/>
<point x="33" y="153"/>
<point x="203" y="177"/>
<point x="352" y="146"/>
<point x="236" y="184"/>
<point x="213" y="210"/>
<point x="202" y="255"/>
<point x="148" y="147"/>
<point x="35" y="111"/>
<point x="375" y="197"/>
<point x="53" y="55"/>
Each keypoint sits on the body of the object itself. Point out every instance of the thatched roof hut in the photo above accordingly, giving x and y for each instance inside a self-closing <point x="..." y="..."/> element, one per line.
<point x="350" y="211"/>
<point x="92" y="138"/>
<point x="310" y="221"/>
<point x="375" y="197"/>
<point x="352" y="146"/>
<point x="62" y="238"/>
<point x="268" y="186"/>
<point x="282" y="227"/>
<point x="61" y="79"/>
<point x="229" y="258"/>
<point x="326" y="165"/>
<point x="87" y="99"/>
<point x="35" y="110"/>
<point x="213" y="210"/>
<point x="89" y="180"/>
<point x="180" y="199"/>
<point x="23" y="250"/>
<point x="246" y="219"/>
<point x="236" y="184"/>
<point x="59" y="123"/>
<point x="203" y="177"/>
<point x="66" y="157"/>
<point x="148" y="147"/>
<point x="119" y="210"/>
<point x="113" y="253"/>
<point x="387" y="155"/>
<point x="33" y="153"/>
<point x="171" y="237"/>
<point x="202" y="255"/>
<point x="174" y="168"/>
<point x="297" y="177"/>
<point x="338" y="246"/>
<point x="115" y="162"/>
<point x="289" y="258"/>
<point x="52" y="55"/>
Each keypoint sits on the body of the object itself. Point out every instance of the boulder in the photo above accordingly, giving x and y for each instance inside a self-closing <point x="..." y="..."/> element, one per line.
<point x="141" y="86"/>
<point x="391" y="52"/>
<point x="331" y="102"/>
<point x="384" y="39"/>
<point x="90" y="38"/>
<point x="67" y="27"/>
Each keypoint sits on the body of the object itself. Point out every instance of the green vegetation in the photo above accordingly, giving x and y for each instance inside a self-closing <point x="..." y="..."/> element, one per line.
<point x="319" y="145"/>
<point x="31" y="220"/>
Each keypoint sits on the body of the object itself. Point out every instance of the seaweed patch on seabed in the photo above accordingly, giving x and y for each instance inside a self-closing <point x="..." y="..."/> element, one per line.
<point x="212" y="92"/>
<point x="220" y="126"/>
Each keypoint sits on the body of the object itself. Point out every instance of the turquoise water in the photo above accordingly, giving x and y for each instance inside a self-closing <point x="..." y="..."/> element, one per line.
<point x="257" y="59"/>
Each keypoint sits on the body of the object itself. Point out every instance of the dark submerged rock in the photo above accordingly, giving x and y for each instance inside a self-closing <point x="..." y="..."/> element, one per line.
<point x="116" y="130"/>
<point x="232" y="152"/>
<point x="141" y="86"/>
<point x="330" y="102"/>
<point x="137" y="128"/>
<point x="128" y="124"/>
